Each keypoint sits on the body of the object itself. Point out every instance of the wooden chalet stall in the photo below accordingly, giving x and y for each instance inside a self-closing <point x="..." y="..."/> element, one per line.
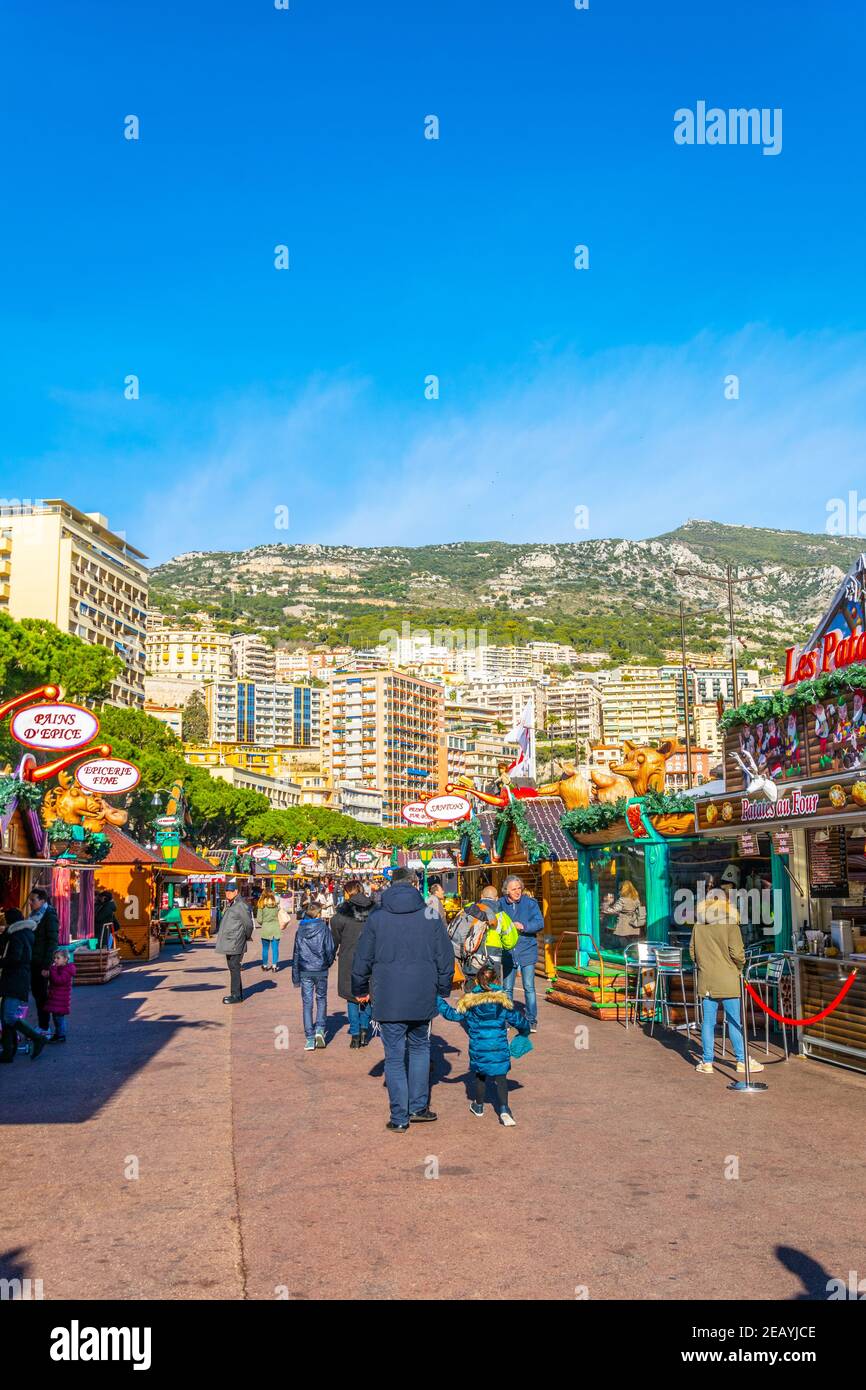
<point x="527" y="839"/>
<point x="130" y="872"/>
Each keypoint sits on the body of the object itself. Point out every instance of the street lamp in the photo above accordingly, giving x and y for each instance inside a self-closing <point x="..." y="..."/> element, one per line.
<point x="425" y="854"/>
<point x="730" y="580"/>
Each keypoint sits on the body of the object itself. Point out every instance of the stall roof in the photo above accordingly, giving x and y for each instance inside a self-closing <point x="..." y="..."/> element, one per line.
<point x="124" y="850"/>
<point x="543" y="815"/>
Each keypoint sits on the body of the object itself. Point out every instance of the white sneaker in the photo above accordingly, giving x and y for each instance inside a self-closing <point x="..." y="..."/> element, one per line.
<point x="506" y="1118"/>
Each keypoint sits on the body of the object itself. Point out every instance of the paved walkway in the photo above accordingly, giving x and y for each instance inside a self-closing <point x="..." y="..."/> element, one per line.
<point x="265" y="1172"/>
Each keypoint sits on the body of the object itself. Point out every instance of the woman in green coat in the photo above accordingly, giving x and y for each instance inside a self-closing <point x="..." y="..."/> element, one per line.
<point x="719" y="956"/>
<point x="267" y="918"/>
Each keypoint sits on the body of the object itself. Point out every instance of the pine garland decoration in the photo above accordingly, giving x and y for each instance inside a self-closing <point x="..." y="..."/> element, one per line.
<point x="472" y="830"/>
<point x="27" y="794"/>
<point x="823" y="687"/>
<point x="667" y="804"/>
<point x="515" y="814"/>
<point x="588" y="820"/>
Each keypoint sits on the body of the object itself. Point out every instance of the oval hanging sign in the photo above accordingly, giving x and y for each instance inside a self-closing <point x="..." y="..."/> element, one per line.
<point x="54" y="726"/>
<point x="364" y="856"/>
<point x="416" y="813"/>
<point x="108" y="776"/>
<point x="448" y="808"/>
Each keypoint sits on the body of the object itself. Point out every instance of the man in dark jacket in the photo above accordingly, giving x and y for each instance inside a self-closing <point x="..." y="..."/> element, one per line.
<point x="16" y="956"/>
<point x="45" y="940"/>
<point x="404" y="960"/>
<point x="526" y="916"/>
<point x="346" y="927"/>
<point x="235" y="930"/>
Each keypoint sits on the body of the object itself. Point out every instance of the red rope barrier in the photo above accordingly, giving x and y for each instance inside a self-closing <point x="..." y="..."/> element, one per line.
<point x="802" y="1022"/>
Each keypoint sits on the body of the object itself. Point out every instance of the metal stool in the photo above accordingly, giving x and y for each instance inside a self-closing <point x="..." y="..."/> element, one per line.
<point x="638" y="960"/>
<point x="669" y="963"/>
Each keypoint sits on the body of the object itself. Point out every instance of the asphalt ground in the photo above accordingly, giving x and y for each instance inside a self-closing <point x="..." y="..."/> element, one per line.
<point x="179" y="1148"/>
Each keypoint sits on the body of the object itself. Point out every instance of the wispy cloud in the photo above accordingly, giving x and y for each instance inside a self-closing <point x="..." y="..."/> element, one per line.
<point x="644" y="438"/>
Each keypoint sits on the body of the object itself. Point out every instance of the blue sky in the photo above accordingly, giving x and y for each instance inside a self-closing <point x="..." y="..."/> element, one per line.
<point x="304" y="388"/>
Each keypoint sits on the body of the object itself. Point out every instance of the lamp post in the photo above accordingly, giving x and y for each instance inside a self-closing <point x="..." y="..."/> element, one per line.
<point x="686" y="705"/>
<point x="729" y="581"/>
<point x="425" y="854"/>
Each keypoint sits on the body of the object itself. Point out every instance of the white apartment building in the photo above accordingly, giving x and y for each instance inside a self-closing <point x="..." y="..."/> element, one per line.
<point x="362" y="803"/>
<point x="69" y="568"/>
<point x="292" y="664"/>
<point x="187" y="653"/>
<point x="706" y="731"/>
<point x="252" y="659"/>
<point x="266" y="713"/>
<point x="486" y="662"/>
<point x="280" y="793"/>
<point x="505" y="699"/>
<point x="572" y="710"/>
<point x="638" y="704"/>
<point x="552" y="653"/>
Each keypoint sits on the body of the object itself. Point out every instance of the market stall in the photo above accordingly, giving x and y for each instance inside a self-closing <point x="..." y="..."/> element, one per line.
<point x="794" y="807"/>
<point x="632" y="859"/>
<point x="130" y="872"/>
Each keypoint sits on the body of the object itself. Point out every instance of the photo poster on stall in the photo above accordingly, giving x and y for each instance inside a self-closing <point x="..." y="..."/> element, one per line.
<point x="828" y="862"/>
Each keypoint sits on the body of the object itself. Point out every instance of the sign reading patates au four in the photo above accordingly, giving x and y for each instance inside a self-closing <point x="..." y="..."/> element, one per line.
<point x="792" y="804"/>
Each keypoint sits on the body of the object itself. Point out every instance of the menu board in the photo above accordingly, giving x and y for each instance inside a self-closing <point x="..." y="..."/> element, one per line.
<point x="828" y="862"/>
<point x="748" y="844"/>
<point x="782" y="841"/>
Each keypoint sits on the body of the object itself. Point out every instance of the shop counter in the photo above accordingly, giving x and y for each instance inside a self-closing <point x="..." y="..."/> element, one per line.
<point x="841" y="1036"/>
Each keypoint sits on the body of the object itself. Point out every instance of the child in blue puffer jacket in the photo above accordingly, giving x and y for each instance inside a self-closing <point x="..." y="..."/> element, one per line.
<point x="486" y="1013"/>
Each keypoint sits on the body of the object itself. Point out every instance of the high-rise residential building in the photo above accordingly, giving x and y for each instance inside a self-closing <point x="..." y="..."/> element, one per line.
<point x="552" y="653"/>
<point x="264" y="713"/>
<point x="707" y="684"/>
<point x="175" y="652"/>
<point x="385" y="729"/>
<point x="280" y="792"/>
<point x="640" y="705"/>
<point x="707" y="734"/>
<point x="572" y="710"/>
<point x="71" y="569"/>
<point x="252" y="658"/>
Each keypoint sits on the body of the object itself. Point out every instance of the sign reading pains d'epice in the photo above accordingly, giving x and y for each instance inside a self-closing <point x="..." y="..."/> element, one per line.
<point x="108" y="776"/>
<point x="49" y="727"/>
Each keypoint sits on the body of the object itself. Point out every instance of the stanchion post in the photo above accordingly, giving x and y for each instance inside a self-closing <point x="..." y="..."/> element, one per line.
<point x="747" y="1084"/>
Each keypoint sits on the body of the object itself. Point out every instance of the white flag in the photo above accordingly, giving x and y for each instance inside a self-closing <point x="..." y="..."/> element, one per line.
<point x="523" y="734"/>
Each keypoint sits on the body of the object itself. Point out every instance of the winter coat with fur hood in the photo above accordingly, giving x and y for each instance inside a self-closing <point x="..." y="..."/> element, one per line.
<point x="486" y="1016"/>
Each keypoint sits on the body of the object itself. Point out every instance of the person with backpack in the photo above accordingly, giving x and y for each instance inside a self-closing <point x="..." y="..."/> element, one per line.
<point x="486" y="1013"/>
<point x="483" y="934"/>
<point x="346" y="927"/>
<point x="312" y="957"/>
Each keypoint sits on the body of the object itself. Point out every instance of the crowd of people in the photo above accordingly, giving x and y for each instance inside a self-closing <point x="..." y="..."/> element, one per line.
<point x="398" y="961"/>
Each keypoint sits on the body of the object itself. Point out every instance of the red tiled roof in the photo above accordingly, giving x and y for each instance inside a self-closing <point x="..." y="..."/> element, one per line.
<point x="125" y="850"/>
<point x="188" y="862"/>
